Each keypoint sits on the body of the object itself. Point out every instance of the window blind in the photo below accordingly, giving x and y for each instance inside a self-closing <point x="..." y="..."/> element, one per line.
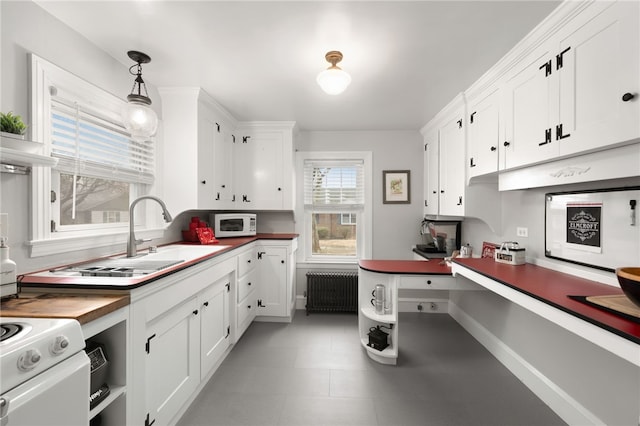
<point x="334" y="184"/>
<point x="90" y="142"/>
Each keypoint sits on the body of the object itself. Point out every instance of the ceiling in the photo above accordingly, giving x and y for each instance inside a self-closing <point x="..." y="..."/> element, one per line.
<point x="260" y="59"/>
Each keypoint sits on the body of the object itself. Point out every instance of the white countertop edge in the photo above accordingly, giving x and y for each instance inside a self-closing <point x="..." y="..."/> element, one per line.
<point x="607" y="340"/>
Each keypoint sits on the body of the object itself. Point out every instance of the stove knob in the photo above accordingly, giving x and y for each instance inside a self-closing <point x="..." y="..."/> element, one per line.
<point x="29" y="360"/>
<point x="59" y="345"/>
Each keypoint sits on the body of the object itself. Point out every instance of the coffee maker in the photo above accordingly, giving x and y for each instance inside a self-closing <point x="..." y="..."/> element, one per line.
<point x="439" y="237"/>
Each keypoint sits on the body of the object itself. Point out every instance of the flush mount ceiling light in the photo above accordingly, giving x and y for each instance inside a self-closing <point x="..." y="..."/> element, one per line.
<point x="139" y="119"/>
<point x="333" y="80"/>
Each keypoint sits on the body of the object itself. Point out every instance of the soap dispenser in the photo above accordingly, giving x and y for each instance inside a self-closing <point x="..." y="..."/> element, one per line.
<point x="8" y="284"/>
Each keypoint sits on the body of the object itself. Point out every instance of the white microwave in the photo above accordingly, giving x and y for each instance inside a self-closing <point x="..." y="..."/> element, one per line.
<point x="234" y="224"/>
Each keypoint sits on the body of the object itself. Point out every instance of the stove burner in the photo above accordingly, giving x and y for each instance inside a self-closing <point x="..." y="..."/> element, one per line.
<point x="9" y="330"/>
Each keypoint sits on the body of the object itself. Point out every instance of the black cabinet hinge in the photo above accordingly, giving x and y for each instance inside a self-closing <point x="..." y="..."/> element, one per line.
<point x="228" y="286"/>
<point x="53" y="226"/>
<point x="54" y="197"/>
<point x="147" y="346"/>
<point x="547" y="68"/>
<point x="560" y="57"/>
<point x="218" y="127"/>
<point x="233" y="138"/>
<point x="245" y="199"/>
<point x="459" y="123"/>
<point x="260" y="253"/>
<point x="146" y="421"/>
<point x="217" y="196"/>
<point x="471" y="117"/>
<point x="228" y="331"/>
<point x="459" y="201"/>
<point x="547" y="137"/>
<point x="425" y="146"/>
<point x="260" y="304"/>
<point x="471" y="162"/>
<point x="245" y="139"/>
<point x="559" y="134"/>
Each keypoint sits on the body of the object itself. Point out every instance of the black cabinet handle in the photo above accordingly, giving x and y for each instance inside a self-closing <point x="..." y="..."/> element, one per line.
<point x="627" y="97"/>
<point x="206" y="303"/>
<point x="195" y="312"/>
<point x="442" y="191"/>
<point x="506" y="143"/>
<point x="204" y="182"/>
<point x="493" y="148"/>
<point x="282" y="261"/>
<point x="435" y="192"/>
<point x="429" y="282"/>
<point x="223" y="186"/>
<point x="279" y="189"/>
<point x="249" y="284"/>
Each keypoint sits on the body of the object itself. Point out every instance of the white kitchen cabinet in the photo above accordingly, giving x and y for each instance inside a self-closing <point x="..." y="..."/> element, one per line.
<point x="276" y="272"/>
<point x="215" y="324"/>
<point x="566" y="96"/>
<point x="222" y="179"/>
<point x="180" y="332"/>
<point x="445" y="141"/>
<point x="483" y="133"/>
<point x="263" y="166"/>
<point x="600" y="64"/>
<point x="172" y="363"/>
<point x="431" y="171"/>
<point x="246" y="302"/>
<point x="197" y="135"/>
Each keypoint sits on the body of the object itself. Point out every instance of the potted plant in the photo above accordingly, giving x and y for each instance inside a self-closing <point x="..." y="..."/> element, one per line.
<point x="12" y="125"/>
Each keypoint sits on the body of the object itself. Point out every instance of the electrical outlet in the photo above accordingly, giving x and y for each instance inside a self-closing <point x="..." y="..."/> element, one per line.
<point x="433" y="306"/>
<point x="4" y="224"/>
<point x="522" y="232"/>
<point x="420" y="307"/>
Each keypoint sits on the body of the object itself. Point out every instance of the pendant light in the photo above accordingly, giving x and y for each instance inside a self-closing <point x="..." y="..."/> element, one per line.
<point x="139" y="119"/>
<point x="333" y="80"/>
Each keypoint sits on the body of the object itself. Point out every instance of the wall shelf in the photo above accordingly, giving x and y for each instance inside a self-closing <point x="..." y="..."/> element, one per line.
<point x="17" y="156"/>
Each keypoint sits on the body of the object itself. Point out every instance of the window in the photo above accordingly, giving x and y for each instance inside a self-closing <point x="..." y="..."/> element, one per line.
<point x="335" y="204"/>
<point x="100" y="169"/>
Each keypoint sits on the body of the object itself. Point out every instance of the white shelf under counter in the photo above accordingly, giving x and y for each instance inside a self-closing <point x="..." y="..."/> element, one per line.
<point x="369" y="312"/>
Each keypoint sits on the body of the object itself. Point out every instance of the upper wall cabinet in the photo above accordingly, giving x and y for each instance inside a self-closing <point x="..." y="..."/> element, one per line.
<point x="444" y="156"/>
<point x="577" y="92"/>
<point x="263" y="163"/>
<point x="483" y="133"/>
<point x="197" y="150"/>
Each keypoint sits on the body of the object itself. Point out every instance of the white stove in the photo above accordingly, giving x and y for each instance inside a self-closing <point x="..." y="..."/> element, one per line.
<point x="44" y="372"/>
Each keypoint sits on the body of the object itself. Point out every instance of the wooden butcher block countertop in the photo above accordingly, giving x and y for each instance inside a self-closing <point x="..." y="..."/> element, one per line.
<point x="82" y="307"/>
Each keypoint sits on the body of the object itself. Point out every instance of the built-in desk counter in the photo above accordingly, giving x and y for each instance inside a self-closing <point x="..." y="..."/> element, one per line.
<point x="546" y="292"/>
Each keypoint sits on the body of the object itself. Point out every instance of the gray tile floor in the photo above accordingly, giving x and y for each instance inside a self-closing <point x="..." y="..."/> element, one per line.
<point x="314" y="372"/>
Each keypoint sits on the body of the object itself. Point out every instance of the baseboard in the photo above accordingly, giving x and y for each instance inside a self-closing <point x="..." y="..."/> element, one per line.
<point x="570" y="410"/>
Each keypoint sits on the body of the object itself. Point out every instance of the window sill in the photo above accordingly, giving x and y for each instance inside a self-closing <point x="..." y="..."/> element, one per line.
<point x="59" y="245"/>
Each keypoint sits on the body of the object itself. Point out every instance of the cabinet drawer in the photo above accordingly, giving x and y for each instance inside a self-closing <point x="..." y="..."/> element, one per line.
<point x="247" y="261"/>
<point x="247" y="310"/>
<point x="246" y="284"/>
<point x="429" y="282"/>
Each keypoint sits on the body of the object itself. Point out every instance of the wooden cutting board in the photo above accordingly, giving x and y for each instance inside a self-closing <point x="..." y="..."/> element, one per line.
<point x="81" y="307"/>
<point x="620" y="303"/>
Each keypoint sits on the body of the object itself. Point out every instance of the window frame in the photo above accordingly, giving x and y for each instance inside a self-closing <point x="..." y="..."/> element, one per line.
<point x="364" y="218"/>
<point x="44" y="242"/>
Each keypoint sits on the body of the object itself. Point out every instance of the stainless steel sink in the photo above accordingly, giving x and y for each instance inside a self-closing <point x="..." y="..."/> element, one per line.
<point x="124" y="267"/>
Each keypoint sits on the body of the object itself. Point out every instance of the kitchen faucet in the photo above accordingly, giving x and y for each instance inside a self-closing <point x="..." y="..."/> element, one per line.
<point x="132" y="243"/>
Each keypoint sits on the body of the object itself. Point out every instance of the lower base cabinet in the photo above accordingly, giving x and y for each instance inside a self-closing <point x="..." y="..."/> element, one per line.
<point x="180" y="331"/>
<point x="277" y="280"/>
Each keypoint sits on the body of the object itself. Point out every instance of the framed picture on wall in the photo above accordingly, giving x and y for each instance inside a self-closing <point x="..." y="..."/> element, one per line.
<point x="396" y="187"/>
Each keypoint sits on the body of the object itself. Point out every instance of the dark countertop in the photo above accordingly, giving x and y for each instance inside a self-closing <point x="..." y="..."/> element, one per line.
<point x="413" y="267"/>
<point x="554" y="288"/>
<point x="124" y="284"/>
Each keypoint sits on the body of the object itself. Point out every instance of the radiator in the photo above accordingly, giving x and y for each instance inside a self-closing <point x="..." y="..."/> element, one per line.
<point x="332" y="292"/>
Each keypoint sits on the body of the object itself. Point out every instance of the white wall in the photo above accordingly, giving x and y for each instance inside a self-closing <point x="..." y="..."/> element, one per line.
<point x="395" y="226"/>
<point x="28" y="28"/>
